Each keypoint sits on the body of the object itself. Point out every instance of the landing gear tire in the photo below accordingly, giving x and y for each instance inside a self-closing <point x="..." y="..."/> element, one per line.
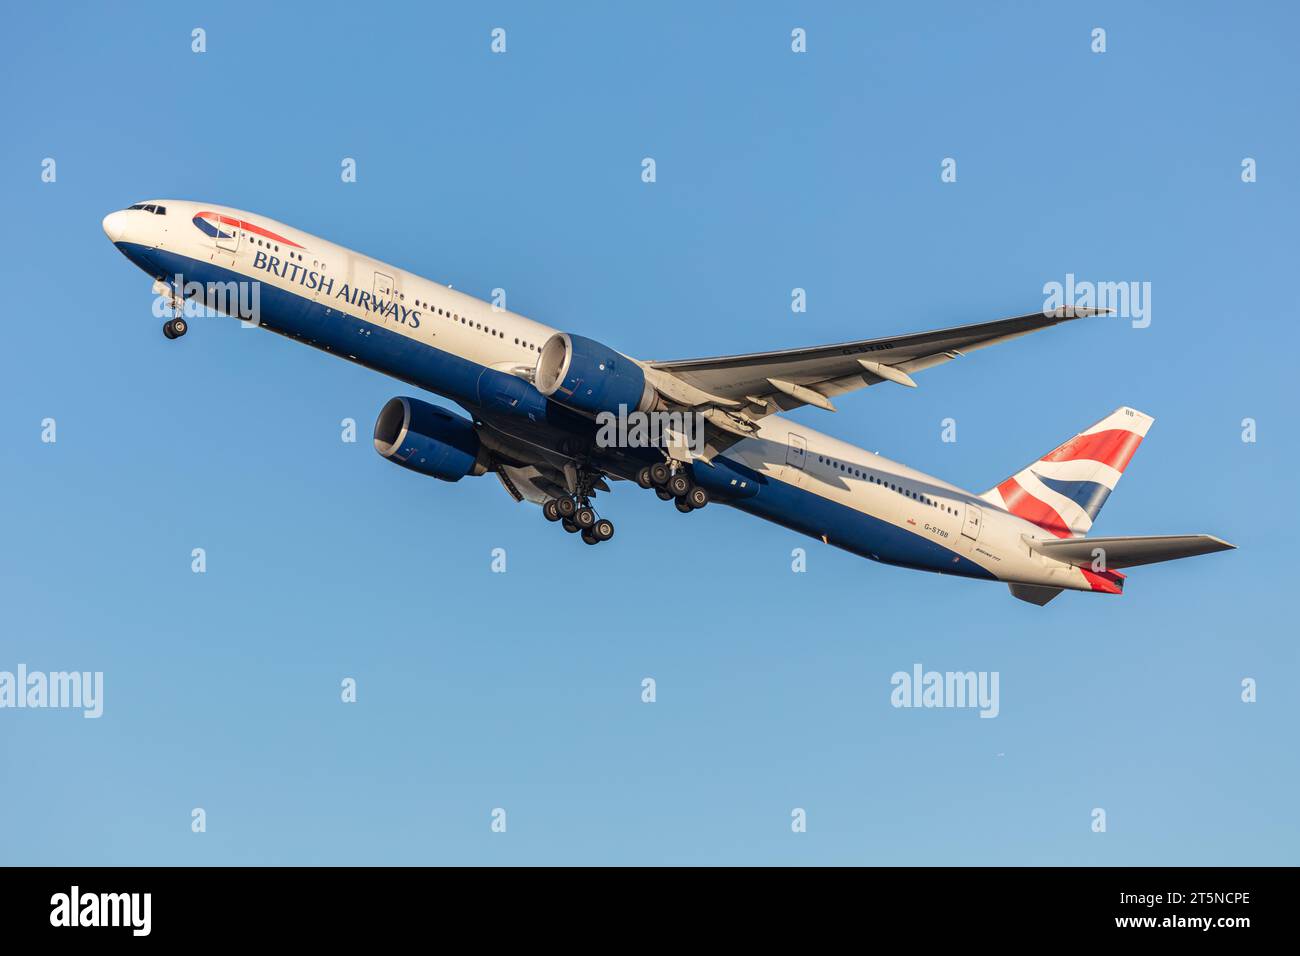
<point x="682" y="505"/>
<point x="569" y="526"/>
<point x="678" y="485"/>
<point x="590" y="537"/>
<point x="565" y="507"/>
<point x="664" y="495"/>
<point x="643" y="478"/>
<point x="175" y="328"/>
<point x="603" y="529"/>
<point x="697" y="497"/>
<point x="584" y="518"/>
<point x="550" y="511"/>
<point x="659" y="473"/>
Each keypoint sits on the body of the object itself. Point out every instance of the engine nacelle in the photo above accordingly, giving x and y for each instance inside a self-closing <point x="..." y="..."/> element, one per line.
<point x="589" y="377"/>
<point x="429" y="440"/>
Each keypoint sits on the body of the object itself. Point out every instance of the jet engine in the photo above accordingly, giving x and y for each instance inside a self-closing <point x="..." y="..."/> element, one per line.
<point x="429" y="440"/>
<point x="589" y="377"/>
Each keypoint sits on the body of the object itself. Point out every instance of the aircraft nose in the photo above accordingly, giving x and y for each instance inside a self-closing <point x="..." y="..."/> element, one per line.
<point x="115" y="225"/>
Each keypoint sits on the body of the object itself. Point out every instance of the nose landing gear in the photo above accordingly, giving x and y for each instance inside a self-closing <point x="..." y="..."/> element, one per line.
<point x="176" y="326"/>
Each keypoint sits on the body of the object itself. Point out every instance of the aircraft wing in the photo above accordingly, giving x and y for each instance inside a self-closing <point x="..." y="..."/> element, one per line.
<point x="763" y="383"/>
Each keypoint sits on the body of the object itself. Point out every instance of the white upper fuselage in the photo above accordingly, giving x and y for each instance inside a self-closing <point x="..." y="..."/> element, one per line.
<point x="442" y="318"/>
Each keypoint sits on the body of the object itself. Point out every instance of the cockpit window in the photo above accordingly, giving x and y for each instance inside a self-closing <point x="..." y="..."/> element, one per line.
<point x="138" y="205"/>
<point x="150" y="207"/>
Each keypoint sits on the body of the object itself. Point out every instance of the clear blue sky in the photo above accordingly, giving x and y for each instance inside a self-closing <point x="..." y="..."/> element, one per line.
<point x="522" y="171"/>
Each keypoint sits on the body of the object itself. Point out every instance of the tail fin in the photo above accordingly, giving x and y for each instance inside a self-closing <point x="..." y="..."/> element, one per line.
<point x="1064" y="490"/>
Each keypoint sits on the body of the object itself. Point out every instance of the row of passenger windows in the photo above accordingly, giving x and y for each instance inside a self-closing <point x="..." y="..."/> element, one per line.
<point x="456" y="317"/>
<point x="867" y="476"/>
<point x="275" y="247"/>
<point x="448" y="314"/>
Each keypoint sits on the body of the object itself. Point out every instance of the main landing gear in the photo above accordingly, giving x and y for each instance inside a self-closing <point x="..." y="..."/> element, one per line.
<point x="577" y="516"/>
<point x="175" y="328"/>
<point x="674" y="486"/>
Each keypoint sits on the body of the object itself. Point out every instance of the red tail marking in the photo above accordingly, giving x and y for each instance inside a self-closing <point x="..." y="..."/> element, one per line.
<point x="1108" y="582"/>
<point x="1022" y="504"/>
<point x="1114" y="447"/>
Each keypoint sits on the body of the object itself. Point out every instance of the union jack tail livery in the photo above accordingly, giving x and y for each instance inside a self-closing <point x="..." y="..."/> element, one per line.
<point x="1064" y="490"/>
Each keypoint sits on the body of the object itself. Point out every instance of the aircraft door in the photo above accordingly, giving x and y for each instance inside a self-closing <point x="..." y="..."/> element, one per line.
<point x="383" y="293"/>
<point x="227" y="234"/>
<point x="974" y="520"/>
<point x="796" y="455"/>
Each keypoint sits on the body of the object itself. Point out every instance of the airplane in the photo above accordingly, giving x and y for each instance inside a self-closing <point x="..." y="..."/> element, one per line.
<point x="537" y="398"/>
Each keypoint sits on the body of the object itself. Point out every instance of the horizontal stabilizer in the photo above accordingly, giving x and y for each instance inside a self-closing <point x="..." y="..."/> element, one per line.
<point x="1128" y="552"/>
